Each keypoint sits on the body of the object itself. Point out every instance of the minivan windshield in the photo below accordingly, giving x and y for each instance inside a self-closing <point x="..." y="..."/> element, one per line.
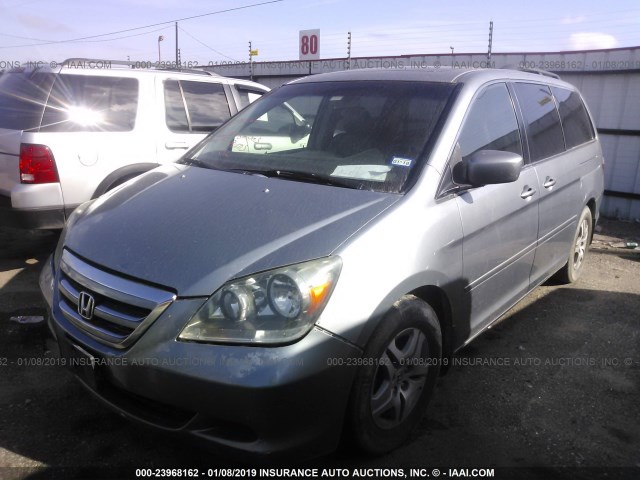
<point x="365" y="135"/>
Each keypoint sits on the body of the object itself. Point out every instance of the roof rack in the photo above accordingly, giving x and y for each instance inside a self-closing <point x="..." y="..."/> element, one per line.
<point x="187" y="70"/>
<point x="94" y="60"/>
<point x="537" y="71"/>
<point x="137" y="65"/>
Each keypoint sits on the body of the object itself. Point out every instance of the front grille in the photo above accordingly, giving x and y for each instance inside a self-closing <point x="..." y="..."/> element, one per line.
<point x="111" y="309"/>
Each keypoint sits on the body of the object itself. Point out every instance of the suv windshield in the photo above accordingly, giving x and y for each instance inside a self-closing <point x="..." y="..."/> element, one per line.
<point x="23" y="94"/>
<point x="366" y="135"/>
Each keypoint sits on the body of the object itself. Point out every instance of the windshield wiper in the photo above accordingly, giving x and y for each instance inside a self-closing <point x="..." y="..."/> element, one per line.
<point x="294" y="175"/>
<point x="299" y="176"/>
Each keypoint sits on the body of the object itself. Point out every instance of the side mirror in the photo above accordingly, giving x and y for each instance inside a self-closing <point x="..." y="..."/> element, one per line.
<point x="488" y="167"/>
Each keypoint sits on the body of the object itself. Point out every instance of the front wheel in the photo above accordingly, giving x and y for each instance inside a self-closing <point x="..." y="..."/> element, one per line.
<point x="577" y="255"/>
<point x="393" y="385"/>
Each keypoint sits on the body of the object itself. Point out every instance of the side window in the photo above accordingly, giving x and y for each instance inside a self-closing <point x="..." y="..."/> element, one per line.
<point x="83" y="103"/>
<point x="491" y="124"/>
<point x="206" y="106"/>
<point x="247" y="95"/>
<point x="576" y="123"/>
<point x="543" y="121"/>
<point x="175" y="114"/>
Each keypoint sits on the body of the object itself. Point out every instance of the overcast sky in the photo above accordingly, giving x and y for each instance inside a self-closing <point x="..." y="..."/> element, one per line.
<point x="40" y="30"/>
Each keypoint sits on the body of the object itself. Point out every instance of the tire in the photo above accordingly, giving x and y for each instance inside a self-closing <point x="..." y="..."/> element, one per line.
<point x="399" y="371"/>
<point x="579" y="248"/>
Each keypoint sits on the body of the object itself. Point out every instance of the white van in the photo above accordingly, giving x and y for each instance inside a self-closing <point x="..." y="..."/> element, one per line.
<point x="70" y="135"/>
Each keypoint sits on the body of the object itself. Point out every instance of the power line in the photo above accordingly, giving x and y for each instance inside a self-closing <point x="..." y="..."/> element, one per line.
<point x="148" y="26"/>
<point x="210" y="48"/>
<point x="127" y="36"/>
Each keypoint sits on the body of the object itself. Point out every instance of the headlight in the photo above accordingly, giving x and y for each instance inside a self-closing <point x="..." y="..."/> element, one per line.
<point x="278" y="306"/>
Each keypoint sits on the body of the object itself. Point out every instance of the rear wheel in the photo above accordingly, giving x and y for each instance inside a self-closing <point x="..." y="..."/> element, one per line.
<point x="398" y="373"/>
<point x="579" y="248"/>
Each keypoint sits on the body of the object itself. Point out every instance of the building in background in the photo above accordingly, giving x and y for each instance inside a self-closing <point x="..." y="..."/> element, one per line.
<point x="608" y="79"/>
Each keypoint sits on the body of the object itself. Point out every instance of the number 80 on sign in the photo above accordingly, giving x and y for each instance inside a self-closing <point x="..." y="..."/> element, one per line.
<point x="309" y="44"/>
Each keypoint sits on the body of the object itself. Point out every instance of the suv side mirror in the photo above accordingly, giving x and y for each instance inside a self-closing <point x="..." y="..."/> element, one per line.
<point x="488" y="167"/>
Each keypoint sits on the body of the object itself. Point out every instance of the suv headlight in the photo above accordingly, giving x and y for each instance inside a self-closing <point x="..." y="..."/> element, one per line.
<point x="277" y="306"/>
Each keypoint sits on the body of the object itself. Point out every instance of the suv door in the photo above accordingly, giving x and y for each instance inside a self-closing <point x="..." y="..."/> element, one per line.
<point x="192" y="109"/>
<point x="500" y="222"/>
<point x="558" y="171"/>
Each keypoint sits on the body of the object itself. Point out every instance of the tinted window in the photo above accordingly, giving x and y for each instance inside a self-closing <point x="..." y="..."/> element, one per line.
<point x="491" y="124"/>
<point x="23" y="95"/>
<point x="175" y="114"/>
<point x="543" y="122"/>
<point x="80" y="103"/>
<point x="206" y="103"/>
<point x="207" y="106"/>
<point x="576" y="123"/>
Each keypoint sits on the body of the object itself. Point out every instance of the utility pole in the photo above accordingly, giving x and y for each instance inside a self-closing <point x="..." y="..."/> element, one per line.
<point x="250" y="63"/>
<point x="451" y="50"/>
<point x="349" y="51"/>
<point x="160" y="38"/>
<point x="490" y="40"/>
<point x="177" y="50"/>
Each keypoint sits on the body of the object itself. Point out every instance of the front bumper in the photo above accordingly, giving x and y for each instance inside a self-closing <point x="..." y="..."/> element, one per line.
<point x="266" y="401"/>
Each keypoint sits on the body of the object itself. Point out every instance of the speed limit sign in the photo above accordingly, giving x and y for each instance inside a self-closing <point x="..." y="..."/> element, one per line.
<point x="309" y="44"/>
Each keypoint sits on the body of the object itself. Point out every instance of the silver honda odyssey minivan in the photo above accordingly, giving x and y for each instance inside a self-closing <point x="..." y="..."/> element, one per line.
<point x="306" y="270"/>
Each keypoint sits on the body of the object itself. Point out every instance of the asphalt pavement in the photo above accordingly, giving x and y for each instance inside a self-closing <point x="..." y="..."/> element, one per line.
<point x="551" y="391"/>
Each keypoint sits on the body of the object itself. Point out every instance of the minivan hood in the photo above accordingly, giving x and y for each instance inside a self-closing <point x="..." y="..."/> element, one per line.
<point x="192" y="229"/>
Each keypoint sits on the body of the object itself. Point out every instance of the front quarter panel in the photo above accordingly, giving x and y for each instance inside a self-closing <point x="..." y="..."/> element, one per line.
<point x="416" y="243"/>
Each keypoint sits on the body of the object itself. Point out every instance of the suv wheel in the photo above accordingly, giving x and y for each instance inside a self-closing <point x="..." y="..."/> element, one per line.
<point x="394" y="383"/>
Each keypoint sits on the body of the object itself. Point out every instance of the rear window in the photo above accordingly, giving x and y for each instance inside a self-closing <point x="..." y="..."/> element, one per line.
<point x="575" y="120"/>
<point x="80" y="103"/>
<point x="543" y="122"/>
<point x="22" y="98"/>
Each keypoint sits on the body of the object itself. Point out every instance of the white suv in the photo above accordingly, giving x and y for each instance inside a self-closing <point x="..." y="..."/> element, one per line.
<point x="70" y="135"/>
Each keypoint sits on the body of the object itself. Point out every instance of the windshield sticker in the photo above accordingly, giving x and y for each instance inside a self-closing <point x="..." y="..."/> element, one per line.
<point x="401" y="162"/>
<point x="374" y="173"/>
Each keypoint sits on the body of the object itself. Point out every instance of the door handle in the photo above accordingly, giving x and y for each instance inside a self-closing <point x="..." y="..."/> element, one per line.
<point x="176" y="145"/>
<point x="549" y="182"/>
<point x="528" y="192"/>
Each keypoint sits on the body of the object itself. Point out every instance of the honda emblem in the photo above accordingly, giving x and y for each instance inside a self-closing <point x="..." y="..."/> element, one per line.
<point x="86" y="304"/>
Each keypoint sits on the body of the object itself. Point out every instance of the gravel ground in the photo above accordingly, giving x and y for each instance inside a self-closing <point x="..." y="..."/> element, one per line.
<point x="549" y="392"/>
